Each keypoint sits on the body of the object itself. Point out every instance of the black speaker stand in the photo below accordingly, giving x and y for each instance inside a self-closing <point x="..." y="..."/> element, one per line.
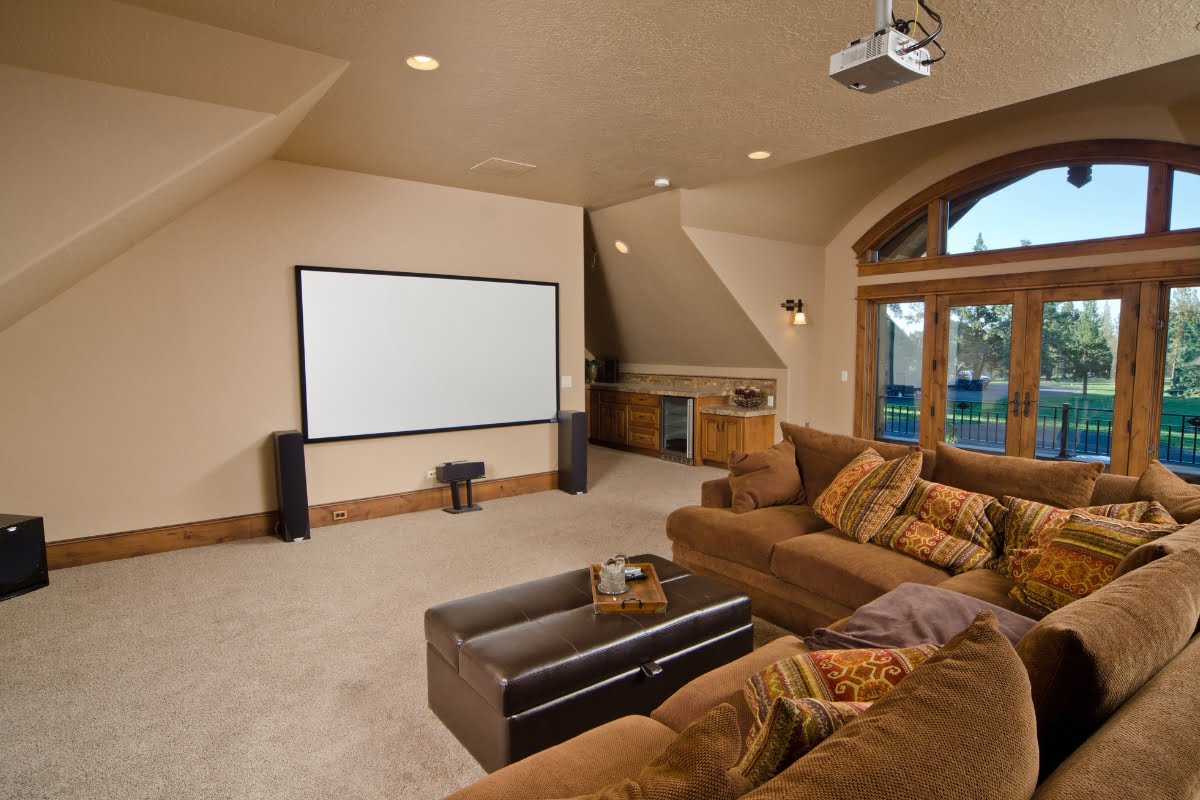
<point x="459" y="508"/>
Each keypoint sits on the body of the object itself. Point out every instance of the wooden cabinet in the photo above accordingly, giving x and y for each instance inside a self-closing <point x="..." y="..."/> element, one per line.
<point x="721" y="435"/>
<point x="629" y="420"/>
<point x="613" y="422"/>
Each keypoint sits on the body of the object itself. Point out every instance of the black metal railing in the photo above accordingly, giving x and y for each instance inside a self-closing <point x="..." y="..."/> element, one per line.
<point x="1062" y="431"/>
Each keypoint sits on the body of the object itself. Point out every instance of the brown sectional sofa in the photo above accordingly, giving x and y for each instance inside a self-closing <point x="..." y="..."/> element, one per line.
<point x="802" y="575"/>
<point x="799" y="572"/>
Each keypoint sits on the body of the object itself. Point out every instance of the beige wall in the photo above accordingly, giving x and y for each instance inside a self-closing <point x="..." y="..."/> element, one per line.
<point x="834" y="408"/>
<point x="662" y="303"/>
<point x="761" y="274"/>
<point x="150" y="386"/>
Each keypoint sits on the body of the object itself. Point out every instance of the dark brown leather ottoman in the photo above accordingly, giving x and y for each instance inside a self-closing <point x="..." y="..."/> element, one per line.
<point x="518" y="670"/>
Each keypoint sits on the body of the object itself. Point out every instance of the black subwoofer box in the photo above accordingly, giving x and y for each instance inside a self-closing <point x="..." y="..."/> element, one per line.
<point x="22" y="555"/>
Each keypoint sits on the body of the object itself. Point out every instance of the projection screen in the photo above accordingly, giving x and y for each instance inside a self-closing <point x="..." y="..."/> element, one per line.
<point x="393" y="353"/>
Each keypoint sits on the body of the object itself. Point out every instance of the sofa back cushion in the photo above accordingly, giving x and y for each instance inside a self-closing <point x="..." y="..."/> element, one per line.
<point x="960" y="726"/>
<point x="1113" y="489"/>
<point x="765" y="478"/>
<point x="1146" y="750"/>
<point x="1086" y="659"/>
<point x="1181" y="498"/>
<point x="821" y="456"/>
<point x="1066" y="484"/>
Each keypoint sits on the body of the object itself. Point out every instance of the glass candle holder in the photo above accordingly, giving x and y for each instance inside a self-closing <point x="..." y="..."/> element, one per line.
<point x="612" y="576"/>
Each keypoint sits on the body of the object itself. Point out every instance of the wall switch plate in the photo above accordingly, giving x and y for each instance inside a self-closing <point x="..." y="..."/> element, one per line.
<point x="431" y="473"/>
<point x="845" y="376"/>
<point x="566" y="381"/>
<point x="770" y="401"/>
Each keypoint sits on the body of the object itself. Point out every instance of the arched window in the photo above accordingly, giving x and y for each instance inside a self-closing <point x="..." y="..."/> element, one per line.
<point x="1060" y="200"/>
<point x="1093" y="364"/>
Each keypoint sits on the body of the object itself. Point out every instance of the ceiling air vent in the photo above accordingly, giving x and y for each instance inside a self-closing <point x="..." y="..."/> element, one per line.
<point x="502" y="167"/>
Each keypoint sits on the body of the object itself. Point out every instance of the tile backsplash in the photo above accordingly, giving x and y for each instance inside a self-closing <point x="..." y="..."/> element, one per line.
<point x="698" y="382"/>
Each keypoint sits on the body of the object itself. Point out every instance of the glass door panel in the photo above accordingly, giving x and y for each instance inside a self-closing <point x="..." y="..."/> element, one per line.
<point x="1077" y="380"/>
<point x="899" y="353"/>
<point x="979" y="359"/>
<point x="1179" y="427"/>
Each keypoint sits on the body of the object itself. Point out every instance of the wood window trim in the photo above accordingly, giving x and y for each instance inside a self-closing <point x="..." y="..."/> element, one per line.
<point x="1143" y="289"/>
<point x="1161" y="157"/>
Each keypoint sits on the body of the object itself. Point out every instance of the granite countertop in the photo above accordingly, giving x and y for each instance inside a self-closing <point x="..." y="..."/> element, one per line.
<point x="738" y="411"/>
<point x="646" y="388"/>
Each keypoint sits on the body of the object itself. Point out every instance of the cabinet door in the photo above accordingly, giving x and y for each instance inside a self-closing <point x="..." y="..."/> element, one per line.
<point x="712" y="438"/>
<point x="735" y="437"/>
<point x="593" y="414"/>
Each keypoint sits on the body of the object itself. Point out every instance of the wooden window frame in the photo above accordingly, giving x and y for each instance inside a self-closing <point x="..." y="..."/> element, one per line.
<point x="1144" y="290"/>
<point x="1162" y="158"/>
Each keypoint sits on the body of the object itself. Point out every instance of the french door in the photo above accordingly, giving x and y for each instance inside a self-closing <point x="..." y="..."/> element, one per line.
<point x="1040" y="373"/>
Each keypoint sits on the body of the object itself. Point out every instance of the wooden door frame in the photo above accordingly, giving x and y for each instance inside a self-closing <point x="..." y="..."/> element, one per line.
<point x="1144" y="291"/>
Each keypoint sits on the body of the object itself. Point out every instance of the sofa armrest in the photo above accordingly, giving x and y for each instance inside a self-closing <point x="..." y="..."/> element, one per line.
<point x="716" y="494"/>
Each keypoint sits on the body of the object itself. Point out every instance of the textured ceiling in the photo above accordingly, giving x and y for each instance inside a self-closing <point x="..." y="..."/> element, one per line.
<point x="603" y="96"/>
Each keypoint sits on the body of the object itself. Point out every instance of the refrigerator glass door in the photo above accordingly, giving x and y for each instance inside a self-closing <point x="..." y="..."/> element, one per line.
<point x="677" y="428"/>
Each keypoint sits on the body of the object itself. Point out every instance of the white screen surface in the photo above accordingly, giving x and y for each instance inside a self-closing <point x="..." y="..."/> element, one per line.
<point x="387" y="353"/>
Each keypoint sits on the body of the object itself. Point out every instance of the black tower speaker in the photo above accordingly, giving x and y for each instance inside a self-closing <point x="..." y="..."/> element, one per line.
<point x="293" y="485"/>
<point x="22" y="555"/>
<point x="572" y="452"/>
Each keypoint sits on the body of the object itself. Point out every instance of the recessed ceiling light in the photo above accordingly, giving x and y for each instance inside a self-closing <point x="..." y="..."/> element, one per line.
<point x="621" y="246"/>
<point x="662" y="183"/>
<point x="758" y="155"/>
<point x="422" y="62"/>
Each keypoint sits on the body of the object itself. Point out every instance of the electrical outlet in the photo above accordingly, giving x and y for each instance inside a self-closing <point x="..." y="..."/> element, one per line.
<point x="431" y="473"/>
<point x="339" y="515"/>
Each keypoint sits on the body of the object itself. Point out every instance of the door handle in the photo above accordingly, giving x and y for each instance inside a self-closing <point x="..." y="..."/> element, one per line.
<point x="1016" y="404"/>
<point x="1027" y="404"/>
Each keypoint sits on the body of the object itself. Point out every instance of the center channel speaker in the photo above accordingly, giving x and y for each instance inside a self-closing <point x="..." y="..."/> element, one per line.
<point x="293" y="485"/>
<point x="22" y="555"/>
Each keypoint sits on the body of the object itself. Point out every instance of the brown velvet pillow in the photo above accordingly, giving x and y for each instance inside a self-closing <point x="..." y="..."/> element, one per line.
<point x="1086" y="659"/>
<point x="1066" y="484"/>
<point x="765" y="478"/>
<point x="693" y="767"/>
<point x="960" y="726"/>
<point x="1181" y="498"/>
<point x="821" y="456"/>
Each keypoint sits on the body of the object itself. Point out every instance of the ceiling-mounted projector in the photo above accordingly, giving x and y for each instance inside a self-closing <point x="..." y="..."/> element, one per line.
<point x="889" y="56"/>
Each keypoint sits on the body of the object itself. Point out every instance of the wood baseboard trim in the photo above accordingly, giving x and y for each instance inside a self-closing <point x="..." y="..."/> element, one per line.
<point x="426" y="499"/>
<point x="127" y="544"/>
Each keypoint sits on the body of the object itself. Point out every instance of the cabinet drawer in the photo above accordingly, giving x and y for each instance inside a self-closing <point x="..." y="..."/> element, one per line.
<point x="643" y="437"/>
<point x="640" y="415"/>
<point x="614" y="397"/>
<point x="643" y="399"/>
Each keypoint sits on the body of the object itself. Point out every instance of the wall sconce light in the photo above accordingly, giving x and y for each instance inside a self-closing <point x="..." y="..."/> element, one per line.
<point x="797" y="309"/>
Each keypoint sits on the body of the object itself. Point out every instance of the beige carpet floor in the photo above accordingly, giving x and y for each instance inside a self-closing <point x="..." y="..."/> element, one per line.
<point x="260" y="669"/>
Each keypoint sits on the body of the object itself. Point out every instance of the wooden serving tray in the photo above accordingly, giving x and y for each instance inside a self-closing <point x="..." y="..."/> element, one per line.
<point x="645" y="596"/>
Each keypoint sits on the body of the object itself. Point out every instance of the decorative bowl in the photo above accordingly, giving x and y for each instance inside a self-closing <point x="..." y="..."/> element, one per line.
<point x="749" y="402"/>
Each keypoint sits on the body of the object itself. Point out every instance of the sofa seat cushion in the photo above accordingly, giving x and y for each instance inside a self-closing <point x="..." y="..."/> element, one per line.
<point x="845" y="571"/>
<point x="989" y="586"/>
<point x="1066" y="484"/>
<point x="746" y="539"/>
<point x="590" y="761"/>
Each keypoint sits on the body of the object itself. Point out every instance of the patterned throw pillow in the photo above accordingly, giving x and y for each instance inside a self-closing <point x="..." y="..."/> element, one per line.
<point x="915" y="537"/>
<point x="1029" y="528"/>
<point x="792" y="728"/>
<point x="841" y="676"/>
<point x="955" y="512"/>
<point x="1082" y="558"/>
<point x="867" y="493"/>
